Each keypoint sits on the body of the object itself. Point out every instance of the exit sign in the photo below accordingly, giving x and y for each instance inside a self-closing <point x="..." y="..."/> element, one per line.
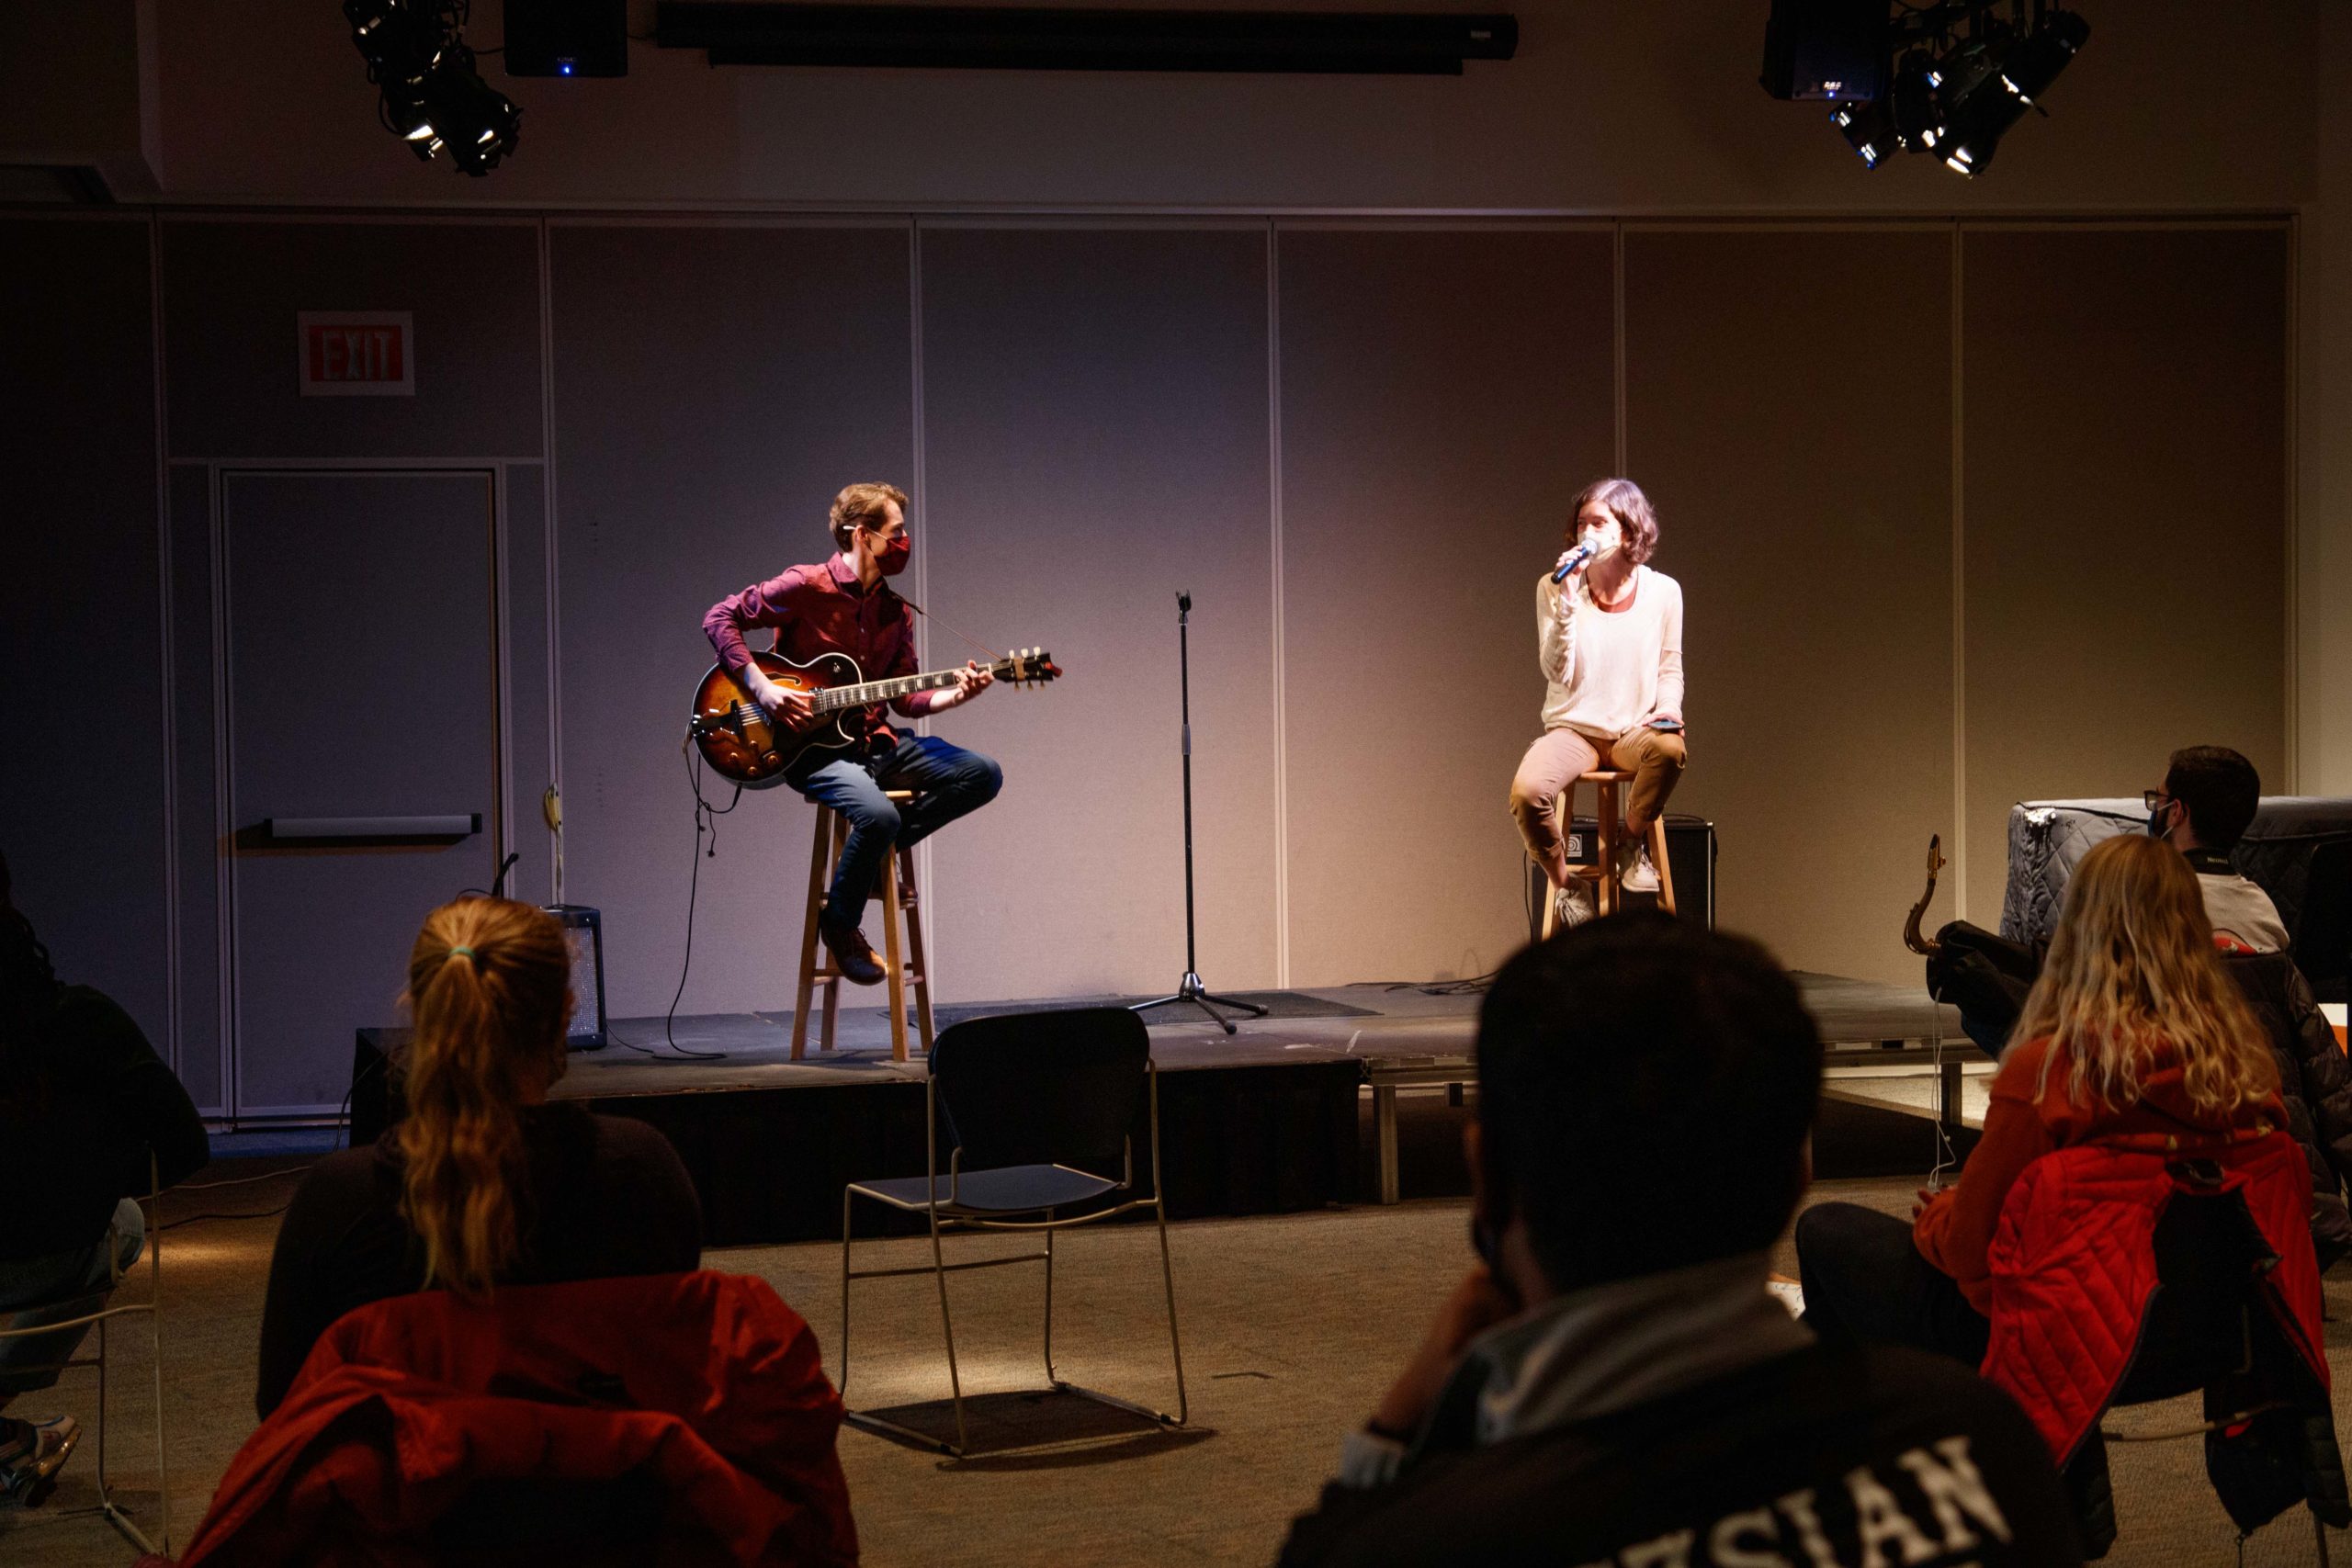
<point x="357" y="353"/>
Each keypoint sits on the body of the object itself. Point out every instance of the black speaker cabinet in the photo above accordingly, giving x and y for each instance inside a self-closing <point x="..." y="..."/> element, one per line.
<point x="1689" y="852"/>
<point x="567" y="38"/>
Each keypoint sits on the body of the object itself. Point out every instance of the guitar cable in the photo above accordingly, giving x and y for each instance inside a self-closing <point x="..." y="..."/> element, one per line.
<point x="707" y="817"/>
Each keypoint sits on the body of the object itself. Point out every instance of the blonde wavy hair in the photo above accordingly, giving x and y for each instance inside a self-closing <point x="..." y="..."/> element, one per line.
<point x="2132" y="974"/>
<point x="490" y="992"/>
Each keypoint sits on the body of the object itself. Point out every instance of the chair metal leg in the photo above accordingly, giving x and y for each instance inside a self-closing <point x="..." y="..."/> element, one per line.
<point x="1050" y="1378"/>
<point x="948" y="1327"/>
<point x="1167" y="1278"/>
<point x="2319" y="1538"/>
<point x="1383" y="1135"/>
<point x="843" y="1387"/>
<point x="105" y="1492"/>
<point x="155" y="1316"/>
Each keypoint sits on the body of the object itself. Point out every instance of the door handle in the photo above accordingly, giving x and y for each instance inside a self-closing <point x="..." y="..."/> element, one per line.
<point x="329" y="830"/>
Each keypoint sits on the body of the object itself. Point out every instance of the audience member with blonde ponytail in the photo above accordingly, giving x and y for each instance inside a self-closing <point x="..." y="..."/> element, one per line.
<point x="2133" y="1033"/>
<point x="484" y="1181"/>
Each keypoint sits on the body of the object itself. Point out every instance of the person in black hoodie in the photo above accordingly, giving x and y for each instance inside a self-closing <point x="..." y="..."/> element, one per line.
<point x="1613" y="1384"/>
<point x="86" y="1105"/>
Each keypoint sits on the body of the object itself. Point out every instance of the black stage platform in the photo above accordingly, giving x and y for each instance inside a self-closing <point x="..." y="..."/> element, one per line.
<point x="1262" y="1121"/>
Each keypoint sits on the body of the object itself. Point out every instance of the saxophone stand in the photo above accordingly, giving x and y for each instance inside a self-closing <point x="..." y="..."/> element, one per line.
<point x="1189" y="988"/>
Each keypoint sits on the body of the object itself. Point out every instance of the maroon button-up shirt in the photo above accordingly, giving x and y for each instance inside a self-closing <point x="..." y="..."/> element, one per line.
<point x="823" y="608"/>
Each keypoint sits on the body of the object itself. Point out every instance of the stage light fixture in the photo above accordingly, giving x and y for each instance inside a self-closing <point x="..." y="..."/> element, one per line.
<point x="2037" y="61"/>
<point x="1911" y="103"/>
<point x="1869" y="130"/>
<point x="1956" y="73"/>
<point x="428" y="92"/>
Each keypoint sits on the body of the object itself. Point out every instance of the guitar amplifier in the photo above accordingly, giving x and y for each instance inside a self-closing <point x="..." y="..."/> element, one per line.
<point x="584" y="932"/>
<point x="1689" y="854"/>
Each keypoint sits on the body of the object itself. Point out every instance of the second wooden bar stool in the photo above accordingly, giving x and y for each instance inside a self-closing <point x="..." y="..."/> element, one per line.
<point x="1602" y="870"/>
<point x="903" y="968"/>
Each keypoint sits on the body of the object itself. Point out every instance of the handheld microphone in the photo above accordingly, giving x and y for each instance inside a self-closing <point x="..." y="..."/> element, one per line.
<point x="1577" y="558"/>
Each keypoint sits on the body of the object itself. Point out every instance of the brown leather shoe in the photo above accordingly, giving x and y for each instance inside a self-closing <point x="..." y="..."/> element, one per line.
<point x="852" y="955"/>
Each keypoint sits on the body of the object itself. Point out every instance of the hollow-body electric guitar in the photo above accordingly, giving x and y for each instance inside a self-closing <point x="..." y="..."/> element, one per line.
<point x="742" y="742"/>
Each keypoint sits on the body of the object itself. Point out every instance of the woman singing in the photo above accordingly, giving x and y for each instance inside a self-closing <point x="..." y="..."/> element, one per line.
<point x="1609" y="642"/>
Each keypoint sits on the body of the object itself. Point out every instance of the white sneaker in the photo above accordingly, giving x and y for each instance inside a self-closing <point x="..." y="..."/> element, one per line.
<point x="1571" y="905"/>
<point x="1789" y="1293"/>
<point x="1636" y="873"/>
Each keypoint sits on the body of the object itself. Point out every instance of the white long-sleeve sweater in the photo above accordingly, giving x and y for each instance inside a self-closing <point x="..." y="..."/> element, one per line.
<point x="1607" y="670"/>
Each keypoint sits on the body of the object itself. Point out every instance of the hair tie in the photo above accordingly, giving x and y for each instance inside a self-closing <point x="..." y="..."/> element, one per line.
<point x="456" y="950"/>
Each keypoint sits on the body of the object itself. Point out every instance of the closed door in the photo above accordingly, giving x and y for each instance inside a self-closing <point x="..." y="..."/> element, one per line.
<point x="363" y="664"/>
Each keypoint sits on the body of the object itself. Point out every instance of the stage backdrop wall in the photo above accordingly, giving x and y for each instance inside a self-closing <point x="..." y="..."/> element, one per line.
<point x="1964" y="512"/>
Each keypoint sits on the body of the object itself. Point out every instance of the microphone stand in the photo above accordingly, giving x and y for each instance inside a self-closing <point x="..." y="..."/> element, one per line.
<point x="1189" y="988"/>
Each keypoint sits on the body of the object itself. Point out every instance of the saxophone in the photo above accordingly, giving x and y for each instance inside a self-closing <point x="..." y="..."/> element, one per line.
<point x="1911" y="937"/>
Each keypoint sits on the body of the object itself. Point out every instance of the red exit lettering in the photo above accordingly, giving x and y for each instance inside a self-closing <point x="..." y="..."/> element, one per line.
<point x="358" y="351"/>
<point x="357" y="354"/>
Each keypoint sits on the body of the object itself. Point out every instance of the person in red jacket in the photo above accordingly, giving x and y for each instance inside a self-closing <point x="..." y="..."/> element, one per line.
<point x="2132" y="1036"/>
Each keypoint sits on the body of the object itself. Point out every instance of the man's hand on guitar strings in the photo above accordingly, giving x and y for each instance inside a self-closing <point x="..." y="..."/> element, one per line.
<point x="791" y="707"/>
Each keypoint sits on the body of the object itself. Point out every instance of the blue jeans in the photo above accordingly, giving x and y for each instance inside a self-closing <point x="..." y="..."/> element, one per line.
<point x="64" y="1284"/>
<point x="948" y="782"/>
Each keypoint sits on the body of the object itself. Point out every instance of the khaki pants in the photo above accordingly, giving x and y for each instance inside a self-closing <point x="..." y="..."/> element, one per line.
<point x="1655" y="758"/>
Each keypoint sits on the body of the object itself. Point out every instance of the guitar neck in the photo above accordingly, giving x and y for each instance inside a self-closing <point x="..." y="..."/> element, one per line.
<point x="865" y="693"/>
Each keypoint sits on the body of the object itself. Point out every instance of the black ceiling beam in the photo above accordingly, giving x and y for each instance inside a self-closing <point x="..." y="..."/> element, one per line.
<point x="738" y="32"/>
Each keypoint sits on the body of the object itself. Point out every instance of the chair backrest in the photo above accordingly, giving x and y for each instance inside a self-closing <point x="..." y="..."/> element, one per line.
<point x="2210" y="1254"/>
<point x="2323" y="945"/>
<point x="1041" y="1088"/>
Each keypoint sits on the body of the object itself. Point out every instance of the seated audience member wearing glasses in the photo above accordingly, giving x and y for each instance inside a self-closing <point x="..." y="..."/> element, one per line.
<point x="1614" y="1384"/>
<point x="2208" y="799"/>
<point x="83" y="1103"/>
<point x="2132" y="1035"/>
<point x="2208" y="802"/>
<point x="483" y="1181"/>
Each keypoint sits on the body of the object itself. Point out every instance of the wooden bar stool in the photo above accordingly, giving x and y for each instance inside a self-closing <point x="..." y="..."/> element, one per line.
<point x="1602" y="870"/>
<point x="903" y="968"/>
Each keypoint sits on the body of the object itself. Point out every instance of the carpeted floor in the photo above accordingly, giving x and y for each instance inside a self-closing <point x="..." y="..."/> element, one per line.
<point x="1291" y="1327"/>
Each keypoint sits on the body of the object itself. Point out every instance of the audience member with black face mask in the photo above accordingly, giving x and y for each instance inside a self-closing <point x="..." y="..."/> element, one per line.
<point x="2208" y="801"/>
<point x="1614" y="1384"/>
<point x="85" y="1102"/>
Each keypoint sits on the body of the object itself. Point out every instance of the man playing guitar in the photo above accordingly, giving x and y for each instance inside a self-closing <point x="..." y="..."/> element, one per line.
<point x="843" y="605"/>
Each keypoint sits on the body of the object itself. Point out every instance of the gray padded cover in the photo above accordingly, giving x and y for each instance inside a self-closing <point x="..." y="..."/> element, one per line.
<point x="2049" y="838"/>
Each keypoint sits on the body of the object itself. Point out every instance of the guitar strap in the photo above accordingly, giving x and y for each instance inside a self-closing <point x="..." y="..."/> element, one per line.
<point x="986" y="653"/>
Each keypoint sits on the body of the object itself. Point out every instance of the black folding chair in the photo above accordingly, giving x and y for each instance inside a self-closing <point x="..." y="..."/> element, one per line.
<point x="2323" y="946"/>
<point x="1032" y="1108"/>
<point x="93" y="1308"/>
<point x="2207" y="1330"/>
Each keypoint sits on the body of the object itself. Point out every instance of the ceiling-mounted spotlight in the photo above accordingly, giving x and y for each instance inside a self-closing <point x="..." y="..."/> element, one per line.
<point x="1911" y="103"/>
<point x="1978" y="107"/>
<point x="1869" y="130"/>
<point x="475" y="120"/>
<point x="1956" y="73"/>
<point x="428" y="92"/>
<point x="2042" y="54"/>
